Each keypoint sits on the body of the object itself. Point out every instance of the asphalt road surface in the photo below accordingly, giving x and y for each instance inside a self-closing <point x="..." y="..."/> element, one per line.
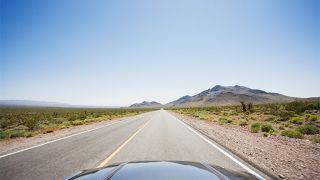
<point x="152" y="136"/>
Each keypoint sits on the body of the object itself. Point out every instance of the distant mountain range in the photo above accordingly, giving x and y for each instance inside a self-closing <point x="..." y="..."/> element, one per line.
<point x="221" y="96"/>
<point x="216" y="96"/>
<point x="32" y="103"/>
<point x="230" y="95"/>
<point x="146" y="104"/>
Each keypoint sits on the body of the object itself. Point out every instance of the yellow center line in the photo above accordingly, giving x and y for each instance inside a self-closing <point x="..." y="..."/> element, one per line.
<point x="122" y="145"/>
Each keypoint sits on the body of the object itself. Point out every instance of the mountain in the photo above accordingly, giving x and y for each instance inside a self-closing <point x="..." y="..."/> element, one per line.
<point x="32" y="103"/>
<point x="146" y="104"/>
<point x="229" y="95"/>
<point x="182" y="100"/>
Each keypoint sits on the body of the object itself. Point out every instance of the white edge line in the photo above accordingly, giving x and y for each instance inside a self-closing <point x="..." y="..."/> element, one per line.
<point x="32" y="147"/>
<point x="221" y="150"/>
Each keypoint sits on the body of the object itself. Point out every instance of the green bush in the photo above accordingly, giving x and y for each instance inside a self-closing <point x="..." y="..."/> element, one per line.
<point x="255" y="127"/>
<point x="250" y="107"/>
<point x="296" y="120"/>
<point x="292" y="134"/>
<point x="243" y="122"/>
<point x="31" y="123"/>
<point x="4" y="134"/>
<point x="266" y="127"/>
<point x="311" y="117"/>
<point x="244" y="109"/>
<point x="18" y="133"/>
<point x="4" y="123"/>
<point x="285" y="115"/>
<point x="308" y="129"/>
<point x="13" y="134"/>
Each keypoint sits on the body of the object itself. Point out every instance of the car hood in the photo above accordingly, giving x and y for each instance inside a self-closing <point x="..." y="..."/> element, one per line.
<point x="145" y="170"/>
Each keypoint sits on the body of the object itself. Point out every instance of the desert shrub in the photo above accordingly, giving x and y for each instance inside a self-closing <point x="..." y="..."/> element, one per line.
<point x="18" y="133"/>
<point x="281" y="127"/>
<point x="266" y="127"/>
<point x="311" y="117"/>
<point x="255" y="127"/>
<point x="4" y="134"/>
<point x="285" y="115"/>
<point x="308" y="129"/>
<point x="300" y="107"/>
<point x="4" y="123"/>
<point x="292" y="134"/>
<point x="296" y="120"/>
<point x="72" y="117"/>
<point x="31" y="123"/>
<point x="82" y="116"/>
<point x="204" y="116"/>
<point x="250" y="107"/>
<point x="243" y="122"/>
<point x="296" y="106"/>
<point x="244" y="108"/>
<point x="12" y="134"/>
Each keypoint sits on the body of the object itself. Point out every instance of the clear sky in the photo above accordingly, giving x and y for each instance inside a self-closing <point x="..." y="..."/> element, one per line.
<point x="104" y="52"/>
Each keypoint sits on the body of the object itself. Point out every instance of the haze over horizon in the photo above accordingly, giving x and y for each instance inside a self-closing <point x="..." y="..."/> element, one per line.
<point x="115" y="53"/>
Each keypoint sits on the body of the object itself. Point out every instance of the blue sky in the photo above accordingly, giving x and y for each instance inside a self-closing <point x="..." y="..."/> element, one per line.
<point x="121" y="52"/>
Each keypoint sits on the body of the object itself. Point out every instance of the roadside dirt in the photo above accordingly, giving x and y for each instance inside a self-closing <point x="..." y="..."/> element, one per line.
<point x="283" y="157"/>
<point x="12" y="145"/>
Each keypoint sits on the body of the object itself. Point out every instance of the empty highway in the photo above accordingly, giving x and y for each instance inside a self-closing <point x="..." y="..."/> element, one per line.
<point x="151" y="136"/>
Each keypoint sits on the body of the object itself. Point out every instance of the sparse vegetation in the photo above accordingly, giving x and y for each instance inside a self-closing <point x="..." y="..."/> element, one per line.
<point x="296" y="120"/>
<point x="255" y="127"/>
<point x="266" y="127"/>
<point x="244" y="108"/>
<point x="26" y="122"/>
<point x="292" y="134"/>
<point x="292" y="119"/>
<point x="243" y="122"/>
<point x="308" y="129"/>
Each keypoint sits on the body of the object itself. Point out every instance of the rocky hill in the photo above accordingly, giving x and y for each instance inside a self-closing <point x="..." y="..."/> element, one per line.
<point x="146" y="104"/>
<point x="229" y="95"/>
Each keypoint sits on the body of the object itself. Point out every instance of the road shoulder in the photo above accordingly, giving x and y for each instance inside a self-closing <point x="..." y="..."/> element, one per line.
<point x="277" y="156"/>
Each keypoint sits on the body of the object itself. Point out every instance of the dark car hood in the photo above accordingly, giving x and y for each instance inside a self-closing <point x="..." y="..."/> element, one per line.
<point x="159" y="170"/>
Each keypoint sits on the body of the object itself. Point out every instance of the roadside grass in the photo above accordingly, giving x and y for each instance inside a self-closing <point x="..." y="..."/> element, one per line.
<point x="27" y="122"/>
<point x="296" y="119"/>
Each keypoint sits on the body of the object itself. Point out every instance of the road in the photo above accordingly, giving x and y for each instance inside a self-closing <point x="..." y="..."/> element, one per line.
<point x="152" y="136"/>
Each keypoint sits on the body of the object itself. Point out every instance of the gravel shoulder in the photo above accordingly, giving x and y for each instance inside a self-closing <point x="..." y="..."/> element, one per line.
<point x="16" y="144"/>
<point x="282" y="157"/>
